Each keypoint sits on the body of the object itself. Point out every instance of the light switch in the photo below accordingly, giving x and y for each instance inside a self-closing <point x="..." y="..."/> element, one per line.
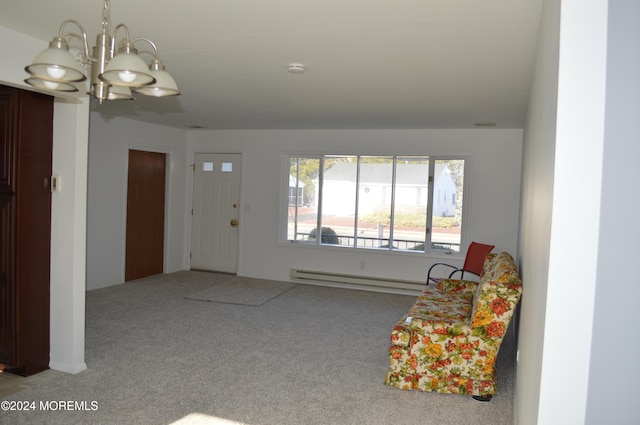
<point x="56" y="183"/>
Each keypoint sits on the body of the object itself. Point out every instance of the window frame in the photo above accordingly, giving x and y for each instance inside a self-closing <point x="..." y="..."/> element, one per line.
<point x="317" y="243"/>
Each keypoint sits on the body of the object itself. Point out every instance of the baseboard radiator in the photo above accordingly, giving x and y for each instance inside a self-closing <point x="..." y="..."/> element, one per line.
<point x="370" y="282"/>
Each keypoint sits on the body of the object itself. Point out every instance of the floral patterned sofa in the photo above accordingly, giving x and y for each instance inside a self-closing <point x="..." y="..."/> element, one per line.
<point x="449" y="340"/>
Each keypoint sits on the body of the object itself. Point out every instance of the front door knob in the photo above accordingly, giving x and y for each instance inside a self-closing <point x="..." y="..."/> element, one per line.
<point x="234" y="222"/>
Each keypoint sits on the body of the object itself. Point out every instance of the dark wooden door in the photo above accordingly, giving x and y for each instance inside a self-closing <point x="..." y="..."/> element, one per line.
<point x="145" y="214"/>
<point x="7" y="229"/>
<point x="26" y="135"/>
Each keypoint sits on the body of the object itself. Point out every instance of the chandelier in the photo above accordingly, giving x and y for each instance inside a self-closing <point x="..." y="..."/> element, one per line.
<point x="113" y="75"/>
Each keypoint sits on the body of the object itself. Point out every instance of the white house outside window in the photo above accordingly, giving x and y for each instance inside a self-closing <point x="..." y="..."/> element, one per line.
<point x="296" y="195"/>
<point x="376" y="202"/>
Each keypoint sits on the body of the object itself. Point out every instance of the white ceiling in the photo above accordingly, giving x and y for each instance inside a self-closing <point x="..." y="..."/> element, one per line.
<point x="370" y="63"/>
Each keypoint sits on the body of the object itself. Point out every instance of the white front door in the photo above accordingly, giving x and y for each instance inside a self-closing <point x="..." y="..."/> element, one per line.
<point x="216" y="203"/>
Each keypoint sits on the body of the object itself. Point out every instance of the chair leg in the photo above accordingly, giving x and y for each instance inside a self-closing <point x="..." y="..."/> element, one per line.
<point x="483" y="398"/>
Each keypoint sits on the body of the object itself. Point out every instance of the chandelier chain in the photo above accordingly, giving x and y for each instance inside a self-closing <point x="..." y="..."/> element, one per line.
<point x="106" y="15"/>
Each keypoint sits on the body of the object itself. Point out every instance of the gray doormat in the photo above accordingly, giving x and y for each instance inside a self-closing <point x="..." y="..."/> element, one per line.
<point x="242" y="291"/>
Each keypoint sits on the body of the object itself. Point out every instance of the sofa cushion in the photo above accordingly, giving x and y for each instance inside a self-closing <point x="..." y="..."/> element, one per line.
<point x="433" y="305"/>
<point x="457" y="286"/>
<point x="499" y="268"/>
<point x="499" y="286"/>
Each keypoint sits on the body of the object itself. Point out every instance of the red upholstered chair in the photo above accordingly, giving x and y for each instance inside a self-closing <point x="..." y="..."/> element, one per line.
<point x="473" y="262"/>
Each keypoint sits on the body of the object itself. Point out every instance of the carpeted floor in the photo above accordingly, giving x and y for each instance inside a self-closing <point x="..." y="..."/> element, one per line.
<point x="240" y="290"/>
<point x="308" y="355"/>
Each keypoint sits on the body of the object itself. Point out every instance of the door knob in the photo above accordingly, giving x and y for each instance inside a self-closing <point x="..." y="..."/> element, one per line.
<point x="234" y="222"/>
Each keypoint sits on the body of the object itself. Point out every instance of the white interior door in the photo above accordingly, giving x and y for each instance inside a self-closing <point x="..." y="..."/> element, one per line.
<point x="216" y="203"/>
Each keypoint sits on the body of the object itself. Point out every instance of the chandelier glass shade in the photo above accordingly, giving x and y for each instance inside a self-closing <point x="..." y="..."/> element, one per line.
<point x="127" y="69"/>
<point x="165" y="85"/>
<point x="112" y="76"/>
<point x="56" y="63"/>
<point x="45" y="84"/>
<point x="120" y="93"/>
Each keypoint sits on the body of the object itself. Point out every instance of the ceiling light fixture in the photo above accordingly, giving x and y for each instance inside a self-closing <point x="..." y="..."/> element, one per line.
<point x="113" y="76"/>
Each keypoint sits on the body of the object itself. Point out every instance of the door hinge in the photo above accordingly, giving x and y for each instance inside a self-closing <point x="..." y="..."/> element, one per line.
<point x="190" y="254"/>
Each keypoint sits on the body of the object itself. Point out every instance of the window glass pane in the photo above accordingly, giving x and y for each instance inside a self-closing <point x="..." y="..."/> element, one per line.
<point x="447" y="205"/>
<point x="226" y="167"/>
<point x="339" y="199"/>
<point x="302" y="210"/>
<point x="374" y="201"/>
<point x="411" y="198"/>
<point x="207" y="166"/>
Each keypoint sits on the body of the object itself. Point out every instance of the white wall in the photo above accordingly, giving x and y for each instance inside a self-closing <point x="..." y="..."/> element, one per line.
<point x="560" y="215"/>
<point x="493" y="197"/>
<point x="536" y="210"/>
<point x="579" y="128"/>
<point x="614" y="371"/>
<point x="68" y="214"/>
<point x="68" y="236"/>
<point x="110" y="141"/>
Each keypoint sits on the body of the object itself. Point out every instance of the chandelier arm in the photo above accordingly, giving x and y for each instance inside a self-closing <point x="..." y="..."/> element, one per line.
<point x="113" y="38"/>
<point x="84" y="58"/>
<point x="153" y="45"/>
<point x="82" y="37"/>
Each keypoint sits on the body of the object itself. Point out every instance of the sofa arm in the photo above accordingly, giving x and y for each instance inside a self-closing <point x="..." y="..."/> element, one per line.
<point x="401" y="333"/>
<point x="458" y="286"/>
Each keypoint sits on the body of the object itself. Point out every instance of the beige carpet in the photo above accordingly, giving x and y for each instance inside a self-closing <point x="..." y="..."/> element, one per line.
<point x="242" y="291"/>
<point x="310" y="356"/>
